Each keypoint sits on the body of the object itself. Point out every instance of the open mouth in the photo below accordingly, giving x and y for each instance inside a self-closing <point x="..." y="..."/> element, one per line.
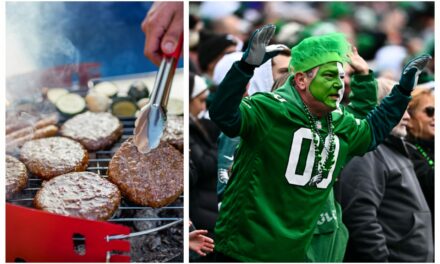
<point x="334" y="96"/>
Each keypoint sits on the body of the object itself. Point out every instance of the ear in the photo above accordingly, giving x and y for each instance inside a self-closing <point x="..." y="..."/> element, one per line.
<point x="300" y="80"/>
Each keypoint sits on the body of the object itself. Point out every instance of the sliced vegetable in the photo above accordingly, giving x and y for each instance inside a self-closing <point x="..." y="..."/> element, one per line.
<point x="106" y="88"/>
<point x="138" y="90"/>
<point x="175" y="106"/>
<point x="54" y="94"/>
<point x="124" y="106"/>
<point x="143" y="102"/>
<point x="97" y="102"/>
<point x="71" y="104"/>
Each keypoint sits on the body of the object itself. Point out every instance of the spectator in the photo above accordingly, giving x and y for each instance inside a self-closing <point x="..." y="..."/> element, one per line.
<point x="383" y="205"/>
<point x="211" y="48"/>
<point x="421" y="133"/>
<point x="203" y="154"/>
<point x="275" y="196"/>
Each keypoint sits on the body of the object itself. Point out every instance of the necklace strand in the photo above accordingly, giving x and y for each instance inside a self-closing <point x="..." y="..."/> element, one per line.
<point x="322" y="168"/>
<point x="425" y="155"/>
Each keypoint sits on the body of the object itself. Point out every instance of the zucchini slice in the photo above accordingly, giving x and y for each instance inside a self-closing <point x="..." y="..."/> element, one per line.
<point x="71" y="104"/>
<point x="124" y="106"/>
<point x="106" y="88"/>
<point x="53" y="94"/>
<point x="138" y="90"/>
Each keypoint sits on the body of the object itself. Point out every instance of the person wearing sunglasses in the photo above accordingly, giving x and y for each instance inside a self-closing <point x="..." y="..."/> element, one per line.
<point x="421" y="132"/>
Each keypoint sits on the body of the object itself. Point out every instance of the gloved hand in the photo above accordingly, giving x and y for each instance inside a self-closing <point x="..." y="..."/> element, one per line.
<point x="411" y="72"/>
<point x="258" y="52"/>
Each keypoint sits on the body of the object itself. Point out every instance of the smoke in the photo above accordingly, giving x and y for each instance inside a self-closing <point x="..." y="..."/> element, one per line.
<point x="34" y="36"/>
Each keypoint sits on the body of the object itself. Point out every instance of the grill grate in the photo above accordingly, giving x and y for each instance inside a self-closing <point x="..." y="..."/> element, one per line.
<point x="141" y="220"/>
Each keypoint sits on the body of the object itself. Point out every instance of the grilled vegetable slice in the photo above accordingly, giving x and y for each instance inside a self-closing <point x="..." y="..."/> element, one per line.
<point x="138" y="90"/>
<point x="55" y="93"/>
<point x="97" y="102"/>
<point x="71" y="104"/>
<point x="106" y="88"/>
<point x="124" y="106"/>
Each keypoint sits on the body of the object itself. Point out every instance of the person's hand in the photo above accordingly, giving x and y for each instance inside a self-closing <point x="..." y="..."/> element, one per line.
<point x="357" y="63"/>
<point x="258" y="52"/>
<point x="411" y="72"/>
<point x="200" y="243"/>
<point x="162" y="26"/>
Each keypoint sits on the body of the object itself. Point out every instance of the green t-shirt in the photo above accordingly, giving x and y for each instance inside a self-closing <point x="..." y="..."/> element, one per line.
<point x="270" y="203"/>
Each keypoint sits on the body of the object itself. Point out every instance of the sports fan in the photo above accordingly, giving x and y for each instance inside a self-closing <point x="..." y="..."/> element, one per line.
<point x="294" y="142"/>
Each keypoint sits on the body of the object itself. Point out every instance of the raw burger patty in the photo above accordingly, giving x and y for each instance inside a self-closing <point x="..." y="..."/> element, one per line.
<point x="50" y="157"/>
<point x="154" y="179"/>
<point x="16" y="176"/>
<point x="94" y="130"/>
<point x="79" y="194"/>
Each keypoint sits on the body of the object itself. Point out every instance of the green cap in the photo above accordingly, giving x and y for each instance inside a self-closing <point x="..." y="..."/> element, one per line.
<point x="318" y="50"/>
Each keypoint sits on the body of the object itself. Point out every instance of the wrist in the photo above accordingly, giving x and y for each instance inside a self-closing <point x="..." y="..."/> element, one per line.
<point x="404" y="90"/>
<point x="246" y="67"/>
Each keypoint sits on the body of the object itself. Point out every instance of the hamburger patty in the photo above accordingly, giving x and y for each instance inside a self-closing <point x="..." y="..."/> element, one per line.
<point x="154" y="179"/>
<point x="50" y="157"/>
<point x="94" y="130"/>
<point x="79" y="194"/>
<point x="16" y="176"/>
<point x="173" y="132"/>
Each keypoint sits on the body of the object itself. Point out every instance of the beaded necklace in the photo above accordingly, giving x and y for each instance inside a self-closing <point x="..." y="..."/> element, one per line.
<point x="322" y="168"/>
<point x="428" y="159"/>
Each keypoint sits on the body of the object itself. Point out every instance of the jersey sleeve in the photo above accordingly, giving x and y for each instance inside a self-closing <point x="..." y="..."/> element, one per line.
<point x="363" y="95"/>
<point x="384" y="117"/>
<point x="224" y="109"/>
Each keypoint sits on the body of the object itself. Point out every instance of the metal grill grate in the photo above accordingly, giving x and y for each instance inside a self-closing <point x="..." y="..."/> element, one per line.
<point x="142" y="220"/>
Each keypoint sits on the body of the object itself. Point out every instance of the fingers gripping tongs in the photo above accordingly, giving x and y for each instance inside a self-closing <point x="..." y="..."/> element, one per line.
<point x="151" y="121"/>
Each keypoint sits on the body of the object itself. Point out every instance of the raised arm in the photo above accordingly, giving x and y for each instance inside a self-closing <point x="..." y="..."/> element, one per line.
<point x="385" y="116"/>
<point x="363" y="95"/>
<point x="224" y="109"/>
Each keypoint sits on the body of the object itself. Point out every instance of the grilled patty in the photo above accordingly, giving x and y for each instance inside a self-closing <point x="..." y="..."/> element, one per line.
<point x="79" y="194"/>
<point x="93" y="130"/>
<point x="50" y="157"/>
<point x="16" y="176"/>
<point x="154" y="179"/>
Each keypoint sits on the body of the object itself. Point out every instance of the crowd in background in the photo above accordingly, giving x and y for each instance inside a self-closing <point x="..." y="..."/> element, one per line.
<point x="386" y="35"/>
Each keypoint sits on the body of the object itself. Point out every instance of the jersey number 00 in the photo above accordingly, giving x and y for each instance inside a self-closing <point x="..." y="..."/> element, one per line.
<point x="300" y="167"/>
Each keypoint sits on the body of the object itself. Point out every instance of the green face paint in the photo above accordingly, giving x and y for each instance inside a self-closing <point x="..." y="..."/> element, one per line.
<point x="328" y="83"/>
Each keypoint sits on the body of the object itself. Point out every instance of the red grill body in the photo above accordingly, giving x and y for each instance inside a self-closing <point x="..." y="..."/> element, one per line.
<point x="37" y="236"/>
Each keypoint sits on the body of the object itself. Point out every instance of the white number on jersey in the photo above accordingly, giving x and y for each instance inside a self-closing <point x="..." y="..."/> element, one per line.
<point x="295" y="155"/>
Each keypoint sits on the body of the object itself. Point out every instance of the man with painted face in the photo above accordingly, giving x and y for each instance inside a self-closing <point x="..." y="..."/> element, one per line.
<point x="294" y="143"/>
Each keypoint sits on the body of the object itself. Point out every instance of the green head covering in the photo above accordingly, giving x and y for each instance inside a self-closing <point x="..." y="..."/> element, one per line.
<point x="317" y="50"/>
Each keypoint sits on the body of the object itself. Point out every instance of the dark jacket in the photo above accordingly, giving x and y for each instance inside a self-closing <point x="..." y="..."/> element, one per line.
<point x="424" y="172"/>
<point x="384" y="208"/>
<point x="203" y="178"/>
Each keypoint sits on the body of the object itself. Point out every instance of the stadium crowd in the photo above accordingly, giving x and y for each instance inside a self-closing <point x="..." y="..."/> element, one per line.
<point x="381" y="206"/>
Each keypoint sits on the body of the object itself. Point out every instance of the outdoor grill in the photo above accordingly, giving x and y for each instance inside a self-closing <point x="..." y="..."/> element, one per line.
<point x="156" y="235"/>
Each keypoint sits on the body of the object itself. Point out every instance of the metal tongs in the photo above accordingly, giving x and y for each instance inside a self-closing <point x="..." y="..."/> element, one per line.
<point x="151" y="121"/>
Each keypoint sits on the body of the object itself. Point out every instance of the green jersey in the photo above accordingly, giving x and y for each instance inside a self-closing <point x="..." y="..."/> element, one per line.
<point x="270" y="207"/>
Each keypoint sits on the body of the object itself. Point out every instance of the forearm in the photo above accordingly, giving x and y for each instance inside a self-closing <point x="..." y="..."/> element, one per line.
<point x="363" y="95"/>
<point x="383" y="118"/>
<point x="224" y="109"/>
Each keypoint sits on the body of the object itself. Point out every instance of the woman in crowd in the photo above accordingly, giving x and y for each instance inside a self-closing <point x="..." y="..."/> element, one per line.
<point x="203" y="155"/>
<point x="421" y="132"/>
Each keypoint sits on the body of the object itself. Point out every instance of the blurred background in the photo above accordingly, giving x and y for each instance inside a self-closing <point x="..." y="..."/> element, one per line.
<point x="387" y="34"/>
<point x="42" y="35"/>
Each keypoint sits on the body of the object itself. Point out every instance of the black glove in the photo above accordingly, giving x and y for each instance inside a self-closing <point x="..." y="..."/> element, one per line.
<point x="258" y="52"/>
<point x="411" y="72"/>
